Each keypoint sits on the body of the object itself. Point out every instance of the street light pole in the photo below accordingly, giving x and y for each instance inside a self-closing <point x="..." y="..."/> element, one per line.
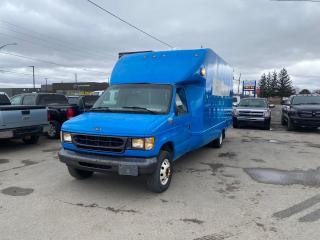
<point x="46" y="84"/>
<point x="34" y="82"/>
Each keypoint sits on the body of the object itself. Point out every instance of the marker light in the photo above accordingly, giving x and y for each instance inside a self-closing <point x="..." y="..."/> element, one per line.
<point x="202" y="71"/>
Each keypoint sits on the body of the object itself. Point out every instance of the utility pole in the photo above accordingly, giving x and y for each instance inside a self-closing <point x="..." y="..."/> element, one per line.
<point x="76" y="81"/>
<point x="34" y="82"/>
<point x="239" y="84"/>
<point x="46" y="84"/>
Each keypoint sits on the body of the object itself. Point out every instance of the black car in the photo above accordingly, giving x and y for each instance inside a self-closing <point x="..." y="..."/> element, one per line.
<point x="59" y="109"/>
<point x="301" y="111"/>
<point x="84" y="102"/>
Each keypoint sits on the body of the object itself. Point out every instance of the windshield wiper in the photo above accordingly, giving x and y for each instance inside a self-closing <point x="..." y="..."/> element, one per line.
<point x="140" y="108"/>
<point x="100" y="109"/>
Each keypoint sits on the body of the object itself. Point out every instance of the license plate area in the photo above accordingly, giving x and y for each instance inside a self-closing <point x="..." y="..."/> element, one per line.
<point x="128" y="170"/>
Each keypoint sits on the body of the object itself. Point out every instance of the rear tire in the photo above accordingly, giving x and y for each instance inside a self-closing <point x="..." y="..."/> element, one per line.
<point x="54" y="130"/>
<point x="290" y="125"/>
<point x="30" y="139"/>
<point x="217" y="143"/>
<point x="160" y="180"/>
<point x="79" y="174"/>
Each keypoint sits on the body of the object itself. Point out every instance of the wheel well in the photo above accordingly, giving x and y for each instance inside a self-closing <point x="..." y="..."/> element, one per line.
<point x="168" y="147"/>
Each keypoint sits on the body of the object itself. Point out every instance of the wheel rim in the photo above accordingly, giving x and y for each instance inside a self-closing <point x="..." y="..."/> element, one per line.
<point x="52" y="130"/>
<point x="165" y="172"/>
<point x="220" y="139"/>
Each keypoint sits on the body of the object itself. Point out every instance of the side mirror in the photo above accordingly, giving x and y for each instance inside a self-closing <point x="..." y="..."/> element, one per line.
<point x="272" y="106"/>
<point x="176" y="112"/>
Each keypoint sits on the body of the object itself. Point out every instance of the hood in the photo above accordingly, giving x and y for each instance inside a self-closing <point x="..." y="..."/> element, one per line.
<point x="310" y="107"/>
<point x="116" y="124"/>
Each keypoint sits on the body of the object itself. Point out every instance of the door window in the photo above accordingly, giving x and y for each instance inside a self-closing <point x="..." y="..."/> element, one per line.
<point x="29" y="100"/>
<point x="181" y="102"/>
<point x="16" y="100"/>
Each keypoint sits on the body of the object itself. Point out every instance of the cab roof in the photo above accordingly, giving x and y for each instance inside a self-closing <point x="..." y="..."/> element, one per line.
<point x="166" y="67"/>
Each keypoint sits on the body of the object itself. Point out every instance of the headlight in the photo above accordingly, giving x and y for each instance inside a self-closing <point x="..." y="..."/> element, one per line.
<point x="143" y="143"/>
<point x="66" y="137"/>
<point x="138" y="143"/>
<point x="235" y="112"/>
<point x="267" y="114"/>
<point x="292" y="112"/>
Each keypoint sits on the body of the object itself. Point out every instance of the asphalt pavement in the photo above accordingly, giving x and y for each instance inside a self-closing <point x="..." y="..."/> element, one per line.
<point x="259" y="185"/>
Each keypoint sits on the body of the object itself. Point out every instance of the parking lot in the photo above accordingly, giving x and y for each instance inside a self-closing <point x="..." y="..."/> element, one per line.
<point x="259" y="185"/>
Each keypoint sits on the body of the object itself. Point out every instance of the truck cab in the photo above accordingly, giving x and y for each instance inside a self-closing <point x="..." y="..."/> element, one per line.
<point x="158" y="107"/>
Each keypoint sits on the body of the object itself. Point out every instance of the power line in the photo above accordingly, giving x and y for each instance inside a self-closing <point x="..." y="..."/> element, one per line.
<point x="62" y="44"/>
<point x="30" y="75"/>
<point x="48" y="62"/>
<point x="129" y="24"/>
<point x="33" y="43"/>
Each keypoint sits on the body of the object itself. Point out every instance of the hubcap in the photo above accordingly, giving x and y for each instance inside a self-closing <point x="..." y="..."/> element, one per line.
<point x="52" y="130"/>
<point x="165" y="172"/>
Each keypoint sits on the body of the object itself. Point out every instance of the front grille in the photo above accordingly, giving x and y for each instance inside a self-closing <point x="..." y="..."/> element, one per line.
<point x="309" y="114"/>
<point x="250" y="114"/>
<point x="100" y="143"/>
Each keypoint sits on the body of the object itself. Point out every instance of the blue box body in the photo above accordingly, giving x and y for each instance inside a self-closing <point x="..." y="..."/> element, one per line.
<point x="209" y="100"/>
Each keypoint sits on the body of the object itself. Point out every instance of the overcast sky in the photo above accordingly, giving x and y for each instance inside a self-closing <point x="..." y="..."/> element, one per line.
<point x="73" y="36"/>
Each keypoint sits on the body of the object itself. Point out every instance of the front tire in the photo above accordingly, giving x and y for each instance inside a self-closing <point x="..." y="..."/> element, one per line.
<point x="160" y="180"/>
<point x="267" y="125"/>
<point x="290" y="125"/>
<point x="235" y="123"/>
<point x="30" y="139"/>
<point x="79" y="174"/>
<point x="283" y="121"/>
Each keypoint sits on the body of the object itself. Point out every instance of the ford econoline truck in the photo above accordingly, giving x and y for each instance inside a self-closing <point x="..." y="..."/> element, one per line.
<point x="158" y="107"/>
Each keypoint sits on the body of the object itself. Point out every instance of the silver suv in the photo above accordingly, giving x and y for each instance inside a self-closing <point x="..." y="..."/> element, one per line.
<point x="252" y="111"/>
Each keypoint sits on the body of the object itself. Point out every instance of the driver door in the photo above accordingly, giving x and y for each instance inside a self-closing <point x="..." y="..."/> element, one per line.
<point x="182" y="123"/>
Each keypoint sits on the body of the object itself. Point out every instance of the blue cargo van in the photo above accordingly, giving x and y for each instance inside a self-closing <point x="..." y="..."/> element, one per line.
<point x="158" y="107"/>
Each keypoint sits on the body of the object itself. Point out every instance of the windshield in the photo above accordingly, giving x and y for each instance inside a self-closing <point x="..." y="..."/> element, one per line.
<point x="298" y="100"/>
<point x="135" y="98"/>
<point x="52" y="99"/>
<point x="73" y="100"/>
<point x="89" y="101"/>
<point x="255" y="103"/>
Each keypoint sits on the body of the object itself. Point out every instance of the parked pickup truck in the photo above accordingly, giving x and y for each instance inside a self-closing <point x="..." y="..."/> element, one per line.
<point x="22" y="122"/>
<point x="59" y="108"/>
<point x="301" y="111"/>
<point x="84" y="102"/>
<point x="252" y="111"/>
<point x="159" y="106"/>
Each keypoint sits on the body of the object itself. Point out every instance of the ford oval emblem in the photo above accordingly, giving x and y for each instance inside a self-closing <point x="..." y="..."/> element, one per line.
<point x="97" y="129"/>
